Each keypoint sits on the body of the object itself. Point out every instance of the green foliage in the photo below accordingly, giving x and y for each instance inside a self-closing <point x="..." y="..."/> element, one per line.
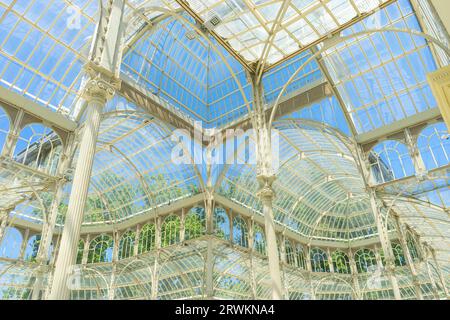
<point x="170" y="231"/>
<point x="147" y="238"/>
<point x="341" y="262"/>
<point x="162" y="191"/>
<point x="412" y="247"/>
<point x="118" y="197"/>
<point x="47" y="200"/>
<point x="382" y="257"/>
<point x="240" y="232"/>
<point x="364" y="259"/>
<point x="126" y="245"/>
<point x="34" y="249"/>
<point x="80" y="252"/>
<point x="259" y="242"/>
<point x="231" y="190"/>
<point x="193" y="189"/>
<point x="99" y="249"/>
<point x="195" y="223"/>
<point x="319" y="261"/>
<point x="121" y="195"/>
<point x="12" y="293"/>
<point x="221" y="224"/>
<point x="400" y="259"/>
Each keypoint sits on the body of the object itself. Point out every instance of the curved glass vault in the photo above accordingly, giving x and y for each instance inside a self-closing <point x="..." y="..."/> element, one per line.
<point x="156" y="149"/>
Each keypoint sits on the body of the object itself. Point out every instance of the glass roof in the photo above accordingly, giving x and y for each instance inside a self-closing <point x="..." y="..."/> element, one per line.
<point x="382" y="77"/>
<point x="195" y="75"/>
<point x="190" y="69"/>
<point x="274" y="80"/>
<point x="374" y="74"/>
<point x="272" y="30"/>
<point x="430" y="222"/>
<point x="42" y="58"/>
<point x="198" y="57"/>
<point x="133" y="172"/>
<point x="326" y="111"/>
<point x="320" y="192"/>
<point x="44" y="45"/>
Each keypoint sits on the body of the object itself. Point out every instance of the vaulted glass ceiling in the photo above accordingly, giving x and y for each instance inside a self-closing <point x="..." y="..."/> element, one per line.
<point x="320" y="192"/>
<point x="270" y="30"/>
<point x="382" y="77"/>
<point x="45" y="45"/>
<point x="198" y="57"/>
<point x="192" y="73"/>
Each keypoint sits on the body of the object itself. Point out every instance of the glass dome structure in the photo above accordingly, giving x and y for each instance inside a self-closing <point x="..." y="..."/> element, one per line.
<point x="231" y="149"/>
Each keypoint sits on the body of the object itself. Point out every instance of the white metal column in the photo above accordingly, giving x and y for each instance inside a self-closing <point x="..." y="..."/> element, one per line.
<point x="408" y="257"/>
<point x="266" y="193"/>
<point x="13" y="136"/>
<point x="75" y="212"/>
<point x="3" y="223"/>
<point x="385" y="244"/>
<point x="103" y="81"/>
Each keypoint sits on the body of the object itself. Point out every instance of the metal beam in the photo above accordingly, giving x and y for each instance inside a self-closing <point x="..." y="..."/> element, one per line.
<point x="290" y="103"/>
<point x="149" y="102"/>
<point x="259" y="218"/>
<point x="435" y="174"/>
<point x="8" y="98"/>
<point x="192" y="201"/>
<point x="331" y="34"/>
<point x="220" y="40"/>
<point x="398" y="126"/>
<point x="336" y="92"/>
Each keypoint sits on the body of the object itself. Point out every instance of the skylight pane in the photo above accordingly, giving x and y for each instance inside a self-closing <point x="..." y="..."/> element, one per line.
<point x="381" y="76"/>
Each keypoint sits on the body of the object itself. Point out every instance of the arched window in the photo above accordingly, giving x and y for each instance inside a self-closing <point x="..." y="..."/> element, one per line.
<point x="319" y="260"/>
<point x="11" y="243"/>
<point x="341" y="263"/>
<point x="80" y="251"/>
<point x="4" y="128"/>
<point x="390" y="160"/>
<point x="32" y="248"/>
<point x="221" y="224"/>
<point x="259" y="239"/>
<point x="101" y="249"/>
<point x="126" y="244"/>
<point x="195" y="223"/>
<point x="290" y="254"/>
<point x="147" y="238"/>
<point x="434" y="146"/>
<point x="365" y="260"/>
<point x="398" y="254"/>
<point x="240" y="232"/>
<point x="38" y="147"/>
<point x="412" y="246"/>
<point x="300" y="253"/>
<point x="170" y="231"/>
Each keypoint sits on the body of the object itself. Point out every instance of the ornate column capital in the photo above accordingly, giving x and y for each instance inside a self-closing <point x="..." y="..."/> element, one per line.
<point x="266" y="192"/>
<point x="101" y="86"/>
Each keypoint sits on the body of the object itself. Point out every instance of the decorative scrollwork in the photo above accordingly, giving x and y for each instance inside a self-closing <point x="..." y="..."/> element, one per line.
<point x="266" y="192"/>
<point x="101" y="86"/>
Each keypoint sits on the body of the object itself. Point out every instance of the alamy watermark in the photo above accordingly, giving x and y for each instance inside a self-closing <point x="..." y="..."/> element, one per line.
<point x="74" y="18"/>
<point x="215" y="147"/>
